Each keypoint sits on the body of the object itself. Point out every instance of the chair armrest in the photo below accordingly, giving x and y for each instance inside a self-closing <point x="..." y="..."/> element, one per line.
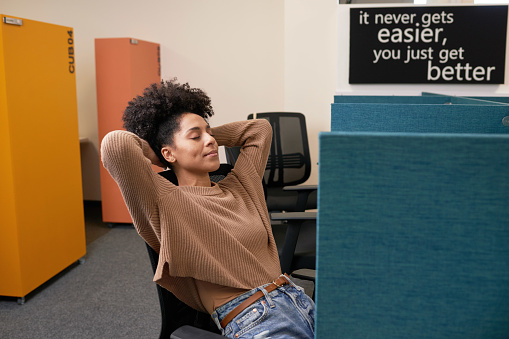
<point x="303" y="192"/>
<point x="301" y="188"/>
<point x="305" y="274"/>
<point x="294" y="221"/>
<point x="190" y="332"/>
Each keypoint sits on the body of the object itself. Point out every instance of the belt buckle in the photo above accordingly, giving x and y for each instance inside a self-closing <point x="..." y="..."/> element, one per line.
<point x="274" y="282"/>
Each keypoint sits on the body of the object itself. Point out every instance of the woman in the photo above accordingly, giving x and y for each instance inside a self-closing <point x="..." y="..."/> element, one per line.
<point x="216" y="249"/>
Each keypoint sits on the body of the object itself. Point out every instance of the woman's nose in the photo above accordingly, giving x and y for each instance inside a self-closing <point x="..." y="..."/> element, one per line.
<point x="209" y="139"/>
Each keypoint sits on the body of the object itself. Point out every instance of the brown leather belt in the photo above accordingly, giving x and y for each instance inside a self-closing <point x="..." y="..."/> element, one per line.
<point x="245" y="304"/>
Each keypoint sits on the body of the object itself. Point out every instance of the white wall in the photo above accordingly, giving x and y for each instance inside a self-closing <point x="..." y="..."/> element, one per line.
<point x="310" y="66"/>
<point x="250" y="56"/>
<point x="233" y="49"/>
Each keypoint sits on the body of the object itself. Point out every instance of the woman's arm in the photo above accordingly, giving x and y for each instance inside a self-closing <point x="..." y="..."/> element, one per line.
<point x="255" y="137"/>
<point x="128" y="159"/>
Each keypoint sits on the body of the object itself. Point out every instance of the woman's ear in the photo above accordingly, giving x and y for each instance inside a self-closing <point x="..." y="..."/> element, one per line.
<point x="168" y="154"/>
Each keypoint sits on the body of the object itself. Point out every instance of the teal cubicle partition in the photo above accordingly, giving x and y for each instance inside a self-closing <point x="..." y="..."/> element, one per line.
<point x="481" y="99"/>
<point x="391" y="99"/>
<point x="438" y="114"/>
<point x="413" y="222"/>
<point x="504" y="100"/>
<point x="424" y="99"/>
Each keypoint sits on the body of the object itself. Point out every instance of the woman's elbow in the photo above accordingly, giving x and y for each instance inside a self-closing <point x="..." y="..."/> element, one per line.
<point x="265" y="128"/>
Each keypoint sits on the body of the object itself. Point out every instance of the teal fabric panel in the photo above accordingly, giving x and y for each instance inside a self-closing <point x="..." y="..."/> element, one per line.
<point x="429" y="94"/>
<point x="471" y="100"/>
<point x="419" y="118"/>
<point x="504" y="100"/>
<point x="425" y="99"/>
<point x="474" y="101"/>
<point x="391" y="99"/>
<point x="413" y="236"/>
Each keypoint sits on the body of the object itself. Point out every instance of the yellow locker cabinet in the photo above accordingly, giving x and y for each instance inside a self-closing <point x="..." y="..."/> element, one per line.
<point x="42" y="227"/>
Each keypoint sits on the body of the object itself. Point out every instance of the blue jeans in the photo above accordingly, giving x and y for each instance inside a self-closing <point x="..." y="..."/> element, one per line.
<point x="286" y="312"/>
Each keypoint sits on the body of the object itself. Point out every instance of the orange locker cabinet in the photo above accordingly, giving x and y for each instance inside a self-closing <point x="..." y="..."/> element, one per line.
<point x="42" y="228"/>
<point x="124" y="68"/>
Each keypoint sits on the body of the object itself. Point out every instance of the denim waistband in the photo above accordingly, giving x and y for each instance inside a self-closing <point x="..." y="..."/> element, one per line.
<point x="223" y="310"/>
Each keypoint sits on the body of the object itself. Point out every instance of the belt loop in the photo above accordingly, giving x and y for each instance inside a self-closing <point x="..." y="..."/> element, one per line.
<point x="287" y="278"/>
<point x="268" y="298"/>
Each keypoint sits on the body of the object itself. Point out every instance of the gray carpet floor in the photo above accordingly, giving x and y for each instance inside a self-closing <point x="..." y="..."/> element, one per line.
<point x="111" y="295"/>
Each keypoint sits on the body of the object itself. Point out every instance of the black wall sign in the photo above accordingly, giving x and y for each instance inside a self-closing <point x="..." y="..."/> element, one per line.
<point x="460" y="44"/>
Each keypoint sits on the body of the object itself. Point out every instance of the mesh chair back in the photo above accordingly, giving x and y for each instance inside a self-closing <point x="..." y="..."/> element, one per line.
<point x="289" y="160"/>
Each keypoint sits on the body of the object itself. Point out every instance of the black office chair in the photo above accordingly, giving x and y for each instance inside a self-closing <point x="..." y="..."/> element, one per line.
<point x="297" y="251"/>
<point x="288" y="166"/>
<point x="289" y="163"/>
<point x="175" y="314"/>
<point x="178" y="319"/>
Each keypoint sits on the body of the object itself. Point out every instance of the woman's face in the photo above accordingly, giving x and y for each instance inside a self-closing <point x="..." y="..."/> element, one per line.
<point x="194" y="151"/>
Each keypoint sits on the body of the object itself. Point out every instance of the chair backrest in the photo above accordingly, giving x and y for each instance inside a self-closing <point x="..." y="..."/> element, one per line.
<point x="289" y="160"/>
<point x="175" y="313"/>
<point x="232" y="153"/>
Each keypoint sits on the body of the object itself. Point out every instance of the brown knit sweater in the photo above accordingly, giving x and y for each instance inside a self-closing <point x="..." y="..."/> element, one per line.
<point x="219" y="234"/>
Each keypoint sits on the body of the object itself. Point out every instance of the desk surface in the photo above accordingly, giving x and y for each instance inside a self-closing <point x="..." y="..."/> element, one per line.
<point x="300" y="188"/>
<point x="294" y="216"/>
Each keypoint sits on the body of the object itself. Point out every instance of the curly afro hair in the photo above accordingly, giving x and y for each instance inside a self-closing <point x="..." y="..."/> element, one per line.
<point x="155" y="115"/>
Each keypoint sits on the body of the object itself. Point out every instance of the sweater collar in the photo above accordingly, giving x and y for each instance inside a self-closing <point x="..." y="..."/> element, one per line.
<point x="200" y="190"/>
